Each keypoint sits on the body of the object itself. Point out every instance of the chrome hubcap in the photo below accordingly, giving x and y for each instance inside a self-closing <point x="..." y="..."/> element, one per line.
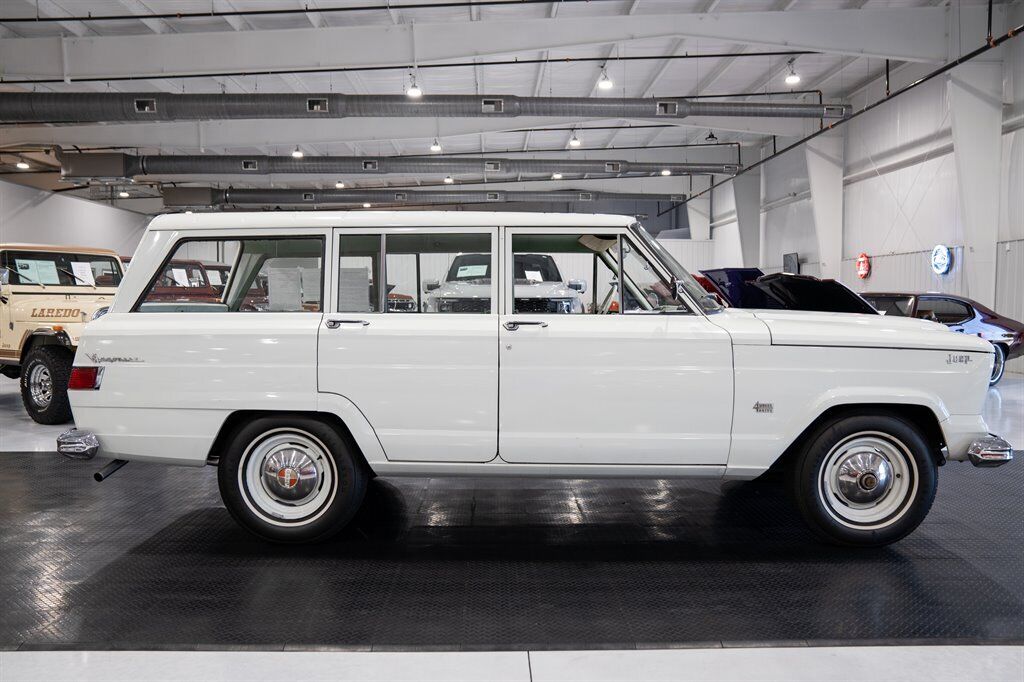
<point x="997" y="364"/>
<point x="40" y="385"/>
<point x="868" y="480"/>
<point x="288" y="477"/>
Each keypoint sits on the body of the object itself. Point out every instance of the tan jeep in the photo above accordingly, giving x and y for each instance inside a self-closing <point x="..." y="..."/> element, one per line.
<point x="47" y="295"/>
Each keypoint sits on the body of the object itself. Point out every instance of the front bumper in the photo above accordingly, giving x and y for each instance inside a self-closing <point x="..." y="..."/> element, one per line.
<point x="78" y="444"/>
<point x="990" y="451"/>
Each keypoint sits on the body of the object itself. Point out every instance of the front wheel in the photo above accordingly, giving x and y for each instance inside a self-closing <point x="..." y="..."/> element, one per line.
<point x="291" y="479"/>
<point x="44" y="384"/>
<point x="998" y="365"/>
<point x="865" y="480"/>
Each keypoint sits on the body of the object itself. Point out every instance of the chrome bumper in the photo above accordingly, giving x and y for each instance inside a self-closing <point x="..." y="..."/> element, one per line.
<point x="990" y="451"/>
<point x="78" y="444"/>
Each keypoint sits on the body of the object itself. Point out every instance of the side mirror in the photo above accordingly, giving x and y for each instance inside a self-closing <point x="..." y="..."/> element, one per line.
<point x="431" y="285"/>
<point x="578" y="285"/>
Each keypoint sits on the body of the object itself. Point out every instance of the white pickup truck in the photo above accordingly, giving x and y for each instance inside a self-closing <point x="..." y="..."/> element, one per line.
<point x="299" y="403"/>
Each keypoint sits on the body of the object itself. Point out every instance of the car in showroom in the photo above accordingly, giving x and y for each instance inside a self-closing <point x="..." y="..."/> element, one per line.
<point x="539" y="286"/>
<point x="47" y="295"/>
<point x="960" y="314"/>
<point x="298" y="406"/>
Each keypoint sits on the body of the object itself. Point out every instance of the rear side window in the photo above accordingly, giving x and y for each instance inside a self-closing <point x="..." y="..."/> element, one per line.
<point x="944" y="310"/>
<point x="239" y="275"/>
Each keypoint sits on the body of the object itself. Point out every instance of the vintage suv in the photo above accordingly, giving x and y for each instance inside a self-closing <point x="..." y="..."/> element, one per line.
<point x="298" y="405"/>
<point x="47" y="295"/>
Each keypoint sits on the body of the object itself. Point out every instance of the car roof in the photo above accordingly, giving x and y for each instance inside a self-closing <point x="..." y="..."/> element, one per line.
<point x="365" y="219"/>
<point x="58" y="249"/>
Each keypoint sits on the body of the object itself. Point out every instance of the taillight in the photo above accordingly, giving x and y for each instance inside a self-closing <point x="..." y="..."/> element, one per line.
<point x="85" y="378"/>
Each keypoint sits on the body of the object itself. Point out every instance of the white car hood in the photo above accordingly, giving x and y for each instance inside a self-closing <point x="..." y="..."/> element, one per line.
<point x="810" y="328"/>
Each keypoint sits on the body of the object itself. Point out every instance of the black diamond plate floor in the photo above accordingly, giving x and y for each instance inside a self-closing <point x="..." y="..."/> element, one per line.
<point x="150" y="559"/>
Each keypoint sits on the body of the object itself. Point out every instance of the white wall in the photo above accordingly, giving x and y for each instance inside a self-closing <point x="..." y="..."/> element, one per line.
<point x="36" y="216"/>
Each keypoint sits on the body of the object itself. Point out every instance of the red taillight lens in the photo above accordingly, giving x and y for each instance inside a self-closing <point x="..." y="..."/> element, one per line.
<point x="84" y="378"/>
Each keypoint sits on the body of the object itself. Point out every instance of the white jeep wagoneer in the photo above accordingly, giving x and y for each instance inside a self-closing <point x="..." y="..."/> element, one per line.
<point x="300" y="400"/>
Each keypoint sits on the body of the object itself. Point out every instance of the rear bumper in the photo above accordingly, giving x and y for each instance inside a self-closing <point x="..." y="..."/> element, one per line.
<point x="990" y="451"/>
<point x="78" y="444"/>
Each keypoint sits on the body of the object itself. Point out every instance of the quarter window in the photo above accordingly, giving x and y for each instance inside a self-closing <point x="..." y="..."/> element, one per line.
<point x="247" y="275"/>
<point x="944" y="310"/>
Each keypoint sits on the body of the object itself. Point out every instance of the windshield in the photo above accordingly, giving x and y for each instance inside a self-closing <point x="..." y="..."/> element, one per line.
<point x="52" y="268"/>
<point x="536" y="267"/>
<point x="470" y="267"/>
<point x="707" y="301"/>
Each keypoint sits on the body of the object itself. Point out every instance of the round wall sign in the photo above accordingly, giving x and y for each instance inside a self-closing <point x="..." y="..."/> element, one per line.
<point x="942" y="259"/>
<point x="863" y="266"/>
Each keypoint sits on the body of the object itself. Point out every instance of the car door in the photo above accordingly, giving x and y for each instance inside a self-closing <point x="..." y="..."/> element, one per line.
<point x="411" y="339"/>
<point x="612" y="383"/>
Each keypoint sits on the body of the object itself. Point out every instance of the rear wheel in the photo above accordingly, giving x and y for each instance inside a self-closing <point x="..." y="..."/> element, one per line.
<point x="866" y="479"/>
<point x="44" y="384"/>
<point x="291" y="479"/>
<point x="998" y="365"/>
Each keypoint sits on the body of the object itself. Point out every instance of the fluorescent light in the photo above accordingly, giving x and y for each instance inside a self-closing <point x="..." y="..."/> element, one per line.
<point x="123" y="194"/>
<point x="574" y="141"/>
<point x="556" y="176"/>
<point x="339" y="185"/>
<point x="605" y="83"/>
<point x="297" y="153"/>
<point x="366" y="205"/>
<point x="448" y="179"/>
<point x="666" y="171"/>
<point x="22" y="165"/>
<point x="435" y="146"/>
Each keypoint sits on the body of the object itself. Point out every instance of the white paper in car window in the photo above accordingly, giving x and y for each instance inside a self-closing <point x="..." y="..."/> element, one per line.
<point x="40" y="271"/>
<point x="354" y="290"/>
<point x="284" y="289"/>
<point x="310" y="285"/>
<point x="180" y="277"/>
<point x="83" y="272"/>
<point x="214" y="276"/>
<point x="471" y="271"/>
<point x="534" y="276"/>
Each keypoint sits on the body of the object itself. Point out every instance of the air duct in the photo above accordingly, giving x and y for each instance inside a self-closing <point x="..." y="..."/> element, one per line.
<point x="96" y="107"/>
<point x="105" y="166"/>
<point x="181" y="197"/>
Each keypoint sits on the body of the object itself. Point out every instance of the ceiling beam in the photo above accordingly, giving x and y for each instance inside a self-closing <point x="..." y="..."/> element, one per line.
<point x="914" y="34"/>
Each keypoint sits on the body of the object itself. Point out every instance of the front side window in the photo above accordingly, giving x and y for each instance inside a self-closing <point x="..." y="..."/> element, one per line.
<point x="707" y="301"/>
<point x="596" y="274"/>
<point x="943" y="310"/>
<point x="51" y="268"/>
<point x="240" y="275"/>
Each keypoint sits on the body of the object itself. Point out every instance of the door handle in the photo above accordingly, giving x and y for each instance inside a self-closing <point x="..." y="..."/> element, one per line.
<point x="513" y="325"/>
<point x="334" y="324"/>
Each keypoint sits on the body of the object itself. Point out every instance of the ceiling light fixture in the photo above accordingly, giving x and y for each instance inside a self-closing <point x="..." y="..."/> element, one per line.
<point x="574" y="141"/>
<point x="22" y="165"/>
<point x="604" y="82"/>
<point x="711" y="139"/>
<point x="366" y="205"/>
<point x="297" y="153"/>
<point x="556" y="176"/>
<point x="666" y="171"/>
<point x="435" y="146"/>
<point x="413" y="91"/>
<point x="792" y="78"/>
<point x="448" y="179"/>
<point x="339" y="185"/>
<point x="123" y="194"/>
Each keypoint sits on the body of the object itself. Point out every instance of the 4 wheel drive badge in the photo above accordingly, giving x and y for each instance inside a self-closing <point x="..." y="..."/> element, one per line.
<point x="287" y="477"/>
<point x="764" y="408"/>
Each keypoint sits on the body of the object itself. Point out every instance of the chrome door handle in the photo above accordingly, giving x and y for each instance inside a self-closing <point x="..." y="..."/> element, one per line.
<point x="334" y="324"/>
<point x="513" y="325"/>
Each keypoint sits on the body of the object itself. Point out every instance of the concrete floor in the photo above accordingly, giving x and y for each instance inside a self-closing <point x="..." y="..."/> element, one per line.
<point x="1004" y="412"/>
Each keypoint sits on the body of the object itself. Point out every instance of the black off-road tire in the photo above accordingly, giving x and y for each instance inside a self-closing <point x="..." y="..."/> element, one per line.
<point x="250" y="499"/>
<point x="55" y="361"/>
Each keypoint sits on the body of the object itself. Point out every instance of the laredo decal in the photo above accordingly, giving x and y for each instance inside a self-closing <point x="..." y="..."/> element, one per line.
<point x="56" y="312"/>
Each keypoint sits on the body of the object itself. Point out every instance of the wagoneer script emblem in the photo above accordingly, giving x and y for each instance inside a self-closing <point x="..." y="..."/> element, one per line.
<point x="764" y="408"/>
<point x="109" y="359"/>
<point x="955" y="359"/>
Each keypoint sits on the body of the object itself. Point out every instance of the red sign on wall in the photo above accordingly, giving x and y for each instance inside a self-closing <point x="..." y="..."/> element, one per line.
<point x="863" y="266"/>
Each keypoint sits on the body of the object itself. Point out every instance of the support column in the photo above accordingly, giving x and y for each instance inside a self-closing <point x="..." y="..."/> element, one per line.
<point x="747" y="192"/>
<point x="976" y="107"/>
<point x="699" y="210"/>
<point x="825" y="170"/>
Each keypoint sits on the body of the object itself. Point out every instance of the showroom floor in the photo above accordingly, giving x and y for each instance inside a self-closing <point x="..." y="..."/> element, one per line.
<point x="150" y="559"/>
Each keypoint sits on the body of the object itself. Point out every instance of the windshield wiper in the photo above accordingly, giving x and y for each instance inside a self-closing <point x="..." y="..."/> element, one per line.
<point x="21" y="276"/>
<point x="93" y="284"/>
